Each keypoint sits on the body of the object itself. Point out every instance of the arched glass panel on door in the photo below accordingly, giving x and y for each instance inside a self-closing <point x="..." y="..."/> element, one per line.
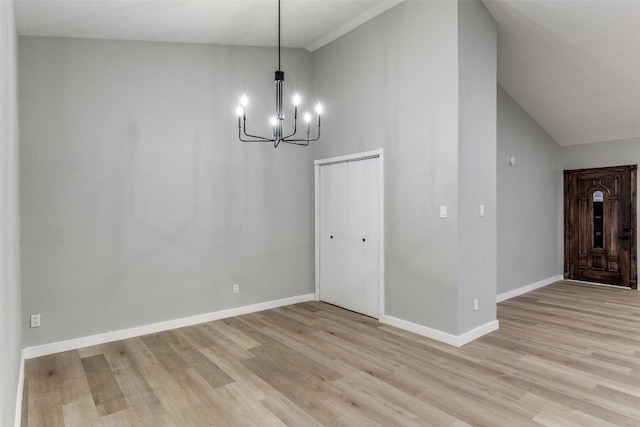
<point x="598" y="220"/>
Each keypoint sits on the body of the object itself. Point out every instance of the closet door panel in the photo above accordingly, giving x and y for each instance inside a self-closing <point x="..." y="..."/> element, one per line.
<point x="363" y="283"/>
<point x="357" y="238"/>
<point x="371" y="247"/>
<point x="333" y="233"/>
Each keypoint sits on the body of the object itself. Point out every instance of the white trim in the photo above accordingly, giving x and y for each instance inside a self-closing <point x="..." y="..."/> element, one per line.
<point x="379" y="153"/>
<point x="528" y="288"/>
<point x="354" y="23"/>
<point x="382" y="230"/>
<point x="349" y="157"/>
<point x="76" y="343"/>
<point x="584" y="282"/>
<point x="475" y="333"/>
<point x="316" y="172"/>
<point x="19" y="395"/>
<point x="456" y="341"/>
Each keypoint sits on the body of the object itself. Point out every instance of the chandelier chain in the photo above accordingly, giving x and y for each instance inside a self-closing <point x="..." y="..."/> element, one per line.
<point x="279" y="54"/>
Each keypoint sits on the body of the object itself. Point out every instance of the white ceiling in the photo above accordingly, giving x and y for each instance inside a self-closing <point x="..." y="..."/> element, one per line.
<point x="574" y="66"/>
<point x="305" y="23"/>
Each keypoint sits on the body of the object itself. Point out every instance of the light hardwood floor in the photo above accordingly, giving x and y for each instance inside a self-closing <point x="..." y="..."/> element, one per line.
<point x="565" y="355"/>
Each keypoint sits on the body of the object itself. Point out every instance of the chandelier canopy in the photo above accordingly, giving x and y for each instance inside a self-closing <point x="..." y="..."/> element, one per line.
<point x="277" y="121"/>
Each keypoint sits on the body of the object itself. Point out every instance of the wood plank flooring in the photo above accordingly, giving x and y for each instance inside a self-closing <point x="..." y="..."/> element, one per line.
<point x="565" y="355"/>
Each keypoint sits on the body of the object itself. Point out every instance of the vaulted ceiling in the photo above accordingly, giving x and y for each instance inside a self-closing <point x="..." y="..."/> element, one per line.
<point x="574" y="66"/>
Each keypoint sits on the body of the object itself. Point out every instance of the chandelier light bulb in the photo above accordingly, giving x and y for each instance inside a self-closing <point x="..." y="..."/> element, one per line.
<point x="296" y="100"/>
<point x="239" y="111"/>
<point x="319" y="109"/>
<point x="307" y="117"/>
<point x="273" y="121"/>
<point x="244" y="100"/>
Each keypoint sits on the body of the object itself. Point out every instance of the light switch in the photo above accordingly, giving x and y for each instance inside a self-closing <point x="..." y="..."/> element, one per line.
<point x="481" y="210"/>
<point x="443" y="211"/>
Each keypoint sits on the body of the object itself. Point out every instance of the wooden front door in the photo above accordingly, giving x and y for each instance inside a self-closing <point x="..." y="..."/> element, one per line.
<point x="600" y="225"/>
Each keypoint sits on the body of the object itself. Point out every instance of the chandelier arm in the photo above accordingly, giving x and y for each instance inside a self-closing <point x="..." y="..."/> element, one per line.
<point x="262" y="140"/>
<point x="303" y="142"/>
<point x="295" y="124"/>
<point x="299" y="141"/>
<point x="256" y="138"/>
<point x="307" y="140"/>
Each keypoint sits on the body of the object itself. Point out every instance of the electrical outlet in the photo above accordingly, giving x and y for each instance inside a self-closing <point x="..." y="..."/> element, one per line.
<point x="475" y="304"/>
<point x="236" y="288"/>
<point x="35" y="320"/>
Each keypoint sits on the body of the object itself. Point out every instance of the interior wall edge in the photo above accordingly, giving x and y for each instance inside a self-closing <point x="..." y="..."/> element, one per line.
<point x="20" y="392"/>
<point x="10" y="291"/>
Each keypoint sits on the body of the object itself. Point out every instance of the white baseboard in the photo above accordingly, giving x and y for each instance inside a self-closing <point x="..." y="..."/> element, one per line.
<point x="18" y="416"/>
<point x="478" y="332"/>
<point x="76" y="343"/>
<point x="456" y="341"/>
<point x="584" y="282"/>
<point x="528" y="288"/>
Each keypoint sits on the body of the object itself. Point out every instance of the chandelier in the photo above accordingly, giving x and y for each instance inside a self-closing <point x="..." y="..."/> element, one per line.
<point x="277" y="121"/>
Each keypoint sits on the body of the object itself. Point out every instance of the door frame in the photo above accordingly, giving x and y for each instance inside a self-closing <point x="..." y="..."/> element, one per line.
<point x="633" y="261"/>
<point x="379" y="153"/>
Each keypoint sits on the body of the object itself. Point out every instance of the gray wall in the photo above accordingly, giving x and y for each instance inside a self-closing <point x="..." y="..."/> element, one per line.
<point x="602" y="154"/>
<point x="530" y="200"/>
<point x="138" y="203"/>
<point x="477" y="264"/>
<point x="10" y="313"/>
<point x="393" y="83"/>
